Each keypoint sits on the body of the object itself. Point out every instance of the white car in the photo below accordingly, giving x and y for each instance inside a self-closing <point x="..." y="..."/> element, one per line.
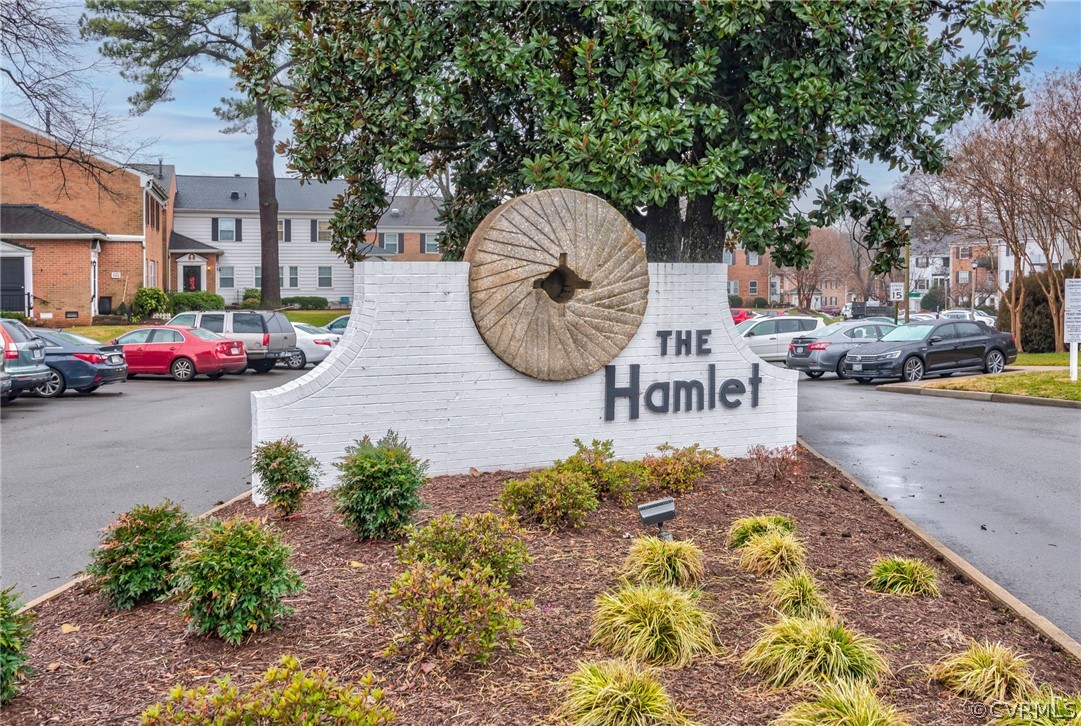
<point x="313" y="345"/>
<point x="769" y="337"/>
<point x="962" y="314"/>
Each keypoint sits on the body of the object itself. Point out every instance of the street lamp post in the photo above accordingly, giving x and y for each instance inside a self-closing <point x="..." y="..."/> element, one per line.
<point x="972" y="301"/>
<point x="906" y="220"/>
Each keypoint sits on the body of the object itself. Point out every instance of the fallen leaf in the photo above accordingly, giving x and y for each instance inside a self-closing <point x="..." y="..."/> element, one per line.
<point x="474" y="471"/>
<point x="427" y="667"/>
<point x="354" y="563"/>
<point x="52" y="666"/>
<point x="69" y="628"/>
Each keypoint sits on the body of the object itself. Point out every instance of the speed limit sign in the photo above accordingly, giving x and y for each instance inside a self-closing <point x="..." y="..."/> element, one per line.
<point x="897" y="291"/>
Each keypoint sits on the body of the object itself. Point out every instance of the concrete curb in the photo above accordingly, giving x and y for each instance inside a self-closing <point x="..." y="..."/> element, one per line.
<point x="919" y="390"/>
<point x="996" y="592"/>
<point x="82" y="578"/>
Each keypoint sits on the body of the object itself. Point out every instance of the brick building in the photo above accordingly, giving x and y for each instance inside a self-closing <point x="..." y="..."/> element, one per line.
<point x="750" y="276"/>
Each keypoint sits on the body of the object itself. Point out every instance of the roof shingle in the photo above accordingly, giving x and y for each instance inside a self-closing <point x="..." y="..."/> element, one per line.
<point x="32" y="219"/>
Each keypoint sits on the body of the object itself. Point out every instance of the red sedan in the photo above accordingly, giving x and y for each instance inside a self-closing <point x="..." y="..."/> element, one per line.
<point x="183" y="353"/>
<point x="740" y="314"/>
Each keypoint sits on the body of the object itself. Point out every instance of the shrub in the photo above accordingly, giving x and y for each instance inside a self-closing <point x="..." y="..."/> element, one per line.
<point x="1046" y="709"/>
<point x="677" y="471"/>
<point x="760" y="302"/>
<point x="843" y="704"/>
<point x="1037" y="326"/>
<point x="286" y="473"/>
<point x="551" y="497"/>
<point x="15" y="633"/>
<point x="307" y="302"/>
<point x="934" y="299"/>
<point x="654" y="561"/>
<point x="794" y="651"/>
<point x="986" y="672"/>
<point x="746" y="527"/>
<point x="253" y="293"/>
<point x="181" y="302"/>
<point x="611" y="478"/>
<point x="286" y="695"/>
<point x="617" y="692"/>
<point x="798" y="595"/>
<point x="773" y="552"/>
<point x="16" y="316"/>
<point x="488" y="540"/>
<point x="134" y="560"/>
<point x="231" y="578"/>
<point x="149" y="301"/>
<point x="379" y="486"/>
<point x="780" y="466"/>
<point x="651" y="624"/>
<point x="461" y="615"/>
<point x="735" y="301"/>
<point x="900" y="576"/>
<point x="251" y="303"/>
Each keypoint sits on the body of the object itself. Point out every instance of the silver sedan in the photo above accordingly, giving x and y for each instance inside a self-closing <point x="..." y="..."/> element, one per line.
<point x="824" y="350"/>
<point x="313" y="345"/>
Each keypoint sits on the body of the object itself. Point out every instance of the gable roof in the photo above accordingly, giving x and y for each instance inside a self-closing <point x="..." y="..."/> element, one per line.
<point x="181" y="243"/>
<point x="168" y="171"/>
<point x="20" y="219"/>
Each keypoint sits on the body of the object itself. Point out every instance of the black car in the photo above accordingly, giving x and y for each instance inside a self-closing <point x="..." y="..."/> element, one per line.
<point x="79" y="363"/>
<point x="941" y="347"/>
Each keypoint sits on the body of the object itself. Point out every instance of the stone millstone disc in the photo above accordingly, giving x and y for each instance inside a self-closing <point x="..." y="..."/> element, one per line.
<point x="558" y="283"/>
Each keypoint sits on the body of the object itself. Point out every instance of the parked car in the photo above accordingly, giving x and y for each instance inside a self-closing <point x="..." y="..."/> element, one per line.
<point x="832" y="310"/>
<point x="916" y="317"/>
<point x="313" y="345"/>
<point x="769" y="313"/>
<point x="769" y="337"/>
<point x="24" y="358"/>
<point x="268" y="336"/>
<point x="338" y="324"/>
<point x="883" y="319"/>
<point x="741" y="314"/>
<point x="78" y="362"/>
<point x="180" y="352"/>
<point x="942" y="347"/>
<point x="824" y="350"/>
<point x="962" y="314"/>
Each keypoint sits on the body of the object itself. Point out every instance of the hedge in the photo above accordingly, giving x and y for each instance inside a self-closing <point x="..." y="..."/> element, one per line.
<point x="182" y="302"/>
<point x="307" y="302"/>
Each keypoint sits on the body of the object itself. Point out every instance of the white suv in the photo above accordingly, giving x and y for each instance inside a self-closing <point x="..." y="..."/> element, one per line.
<point x="769" y="338"/>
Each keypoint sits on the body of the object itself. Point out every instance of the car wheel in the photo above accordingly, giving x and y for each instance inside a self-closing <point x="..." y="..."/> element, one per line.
<point x="912" y="370"/>
<point x="296" y="362"/>
<point x="88" y="389"/>
<point x="994" y="362"/>
<point x="263" y="366"/>
<point x="182" y="369"/>
<point x="10" y="397"/>
<point x="864" y="381"/>
<point x="841" y="368"/>
<point x="813" y="374"/>
<point x="215" y="376"/>
<point x="54" y="386"/>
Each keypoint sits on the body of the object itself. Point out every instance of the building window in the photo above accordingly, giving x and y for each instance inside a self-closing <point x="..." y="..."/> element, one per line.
<point x="294" y="276"/>
<point x="390" y="242"/>
<point x="226" y="230"/>
<point x="1009" y="276"/>
<point x="322" y="231"/>
<point x="833" y="300"/>
<point x="729" y="258"/>
<point x="752" y="258"/>
<point x="921" y="284"/>
<point x="921" y="262"/>
<point x="962" y="276"/>
<point x="964" y="252"/>
<point x="325" y="277"/>
<point x="429" y="244"/>
<point x="225" y="277"/>
<point x="151" y="273"/>
<point x="733" y="287"/>
<point x="752" y="287"/>
<point x="258" y="277"/>
<point x="285" y="231"/>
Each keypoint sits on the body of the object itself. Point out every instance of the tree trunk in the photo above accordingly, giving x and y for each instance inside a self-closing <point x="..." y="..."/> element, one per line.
<point x="268" y="206"/>
<point x="663" y="229"/>
<point x="703" y="233"/>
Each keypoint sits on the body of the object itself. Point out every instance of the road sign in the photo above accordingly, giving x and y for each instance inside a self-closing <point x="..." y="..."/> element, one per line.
<point x="915" y="294"/>
<point x="897" y="291"/>
<point x="1072" y="330"/>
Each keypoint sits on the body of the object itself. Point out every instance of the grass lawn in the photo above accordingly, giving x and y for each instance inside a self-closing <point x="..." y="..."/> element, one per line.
<point x="314" y="317"/>
<point x="1043" y="359"/>
<point x="102" y="332"/>
<point x="1049" y="384"/>
<point x="108" y="332"/>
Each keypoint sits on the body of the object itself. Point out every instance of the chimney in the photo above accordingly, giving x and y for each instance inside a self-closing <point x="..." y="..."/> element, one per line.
<point x="237" y="175"/>
<point x="161" y="172"/>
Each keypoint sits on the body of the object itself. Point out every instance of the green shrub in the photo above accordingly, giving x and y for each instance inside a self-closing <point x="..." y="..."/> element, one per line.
<point x="773" y="552"/>
<point x="987" y="672"/>
<point x="1046" y="709"/>
<point x="744" y="528"/>
<point x="1037" y="326"/>
<point x="307" y="302"/>
<point x="251" y="303"/>
<point x="149" y="301"/>
<point x="286" y="473"/>
<point x="134" y="560"/>
<point x="611" y="478"/>
<point x="617" y="692"/>
<point x="735" y="301"/>
<point x="679" y="470"/>
<point x="798" y="595"/>
<point x="551" y="497"/>
<point x="760" y="302"/>
<point x="487" y="539"/>
<point x="654" y="561"/>
<point x="231" y="578"/>
<point x="656" y="625"/>
<point x="900" y="576"/>
<point x="379" y="486"/>
<point x="843" y="704"/>
<point x="935" y="299"/>
<point x="15" y="633"/>
<point x="795" y="651"/>
<point x="182" y="302"/>
<point x="253" y="293"/>
<point x="15" y="316"/>
<point x="435" y="611"/>
<point x="286" y="696"/>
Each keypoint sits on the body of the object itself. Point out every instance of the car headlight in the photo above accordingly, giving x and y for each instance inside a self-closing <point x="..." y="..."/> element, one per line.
<point x="892" y="356"/>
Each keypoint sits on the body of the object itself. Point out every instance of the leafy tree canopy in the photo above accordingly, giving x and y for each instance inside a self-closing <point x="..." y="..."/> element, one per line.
<point x="701" y="121"/>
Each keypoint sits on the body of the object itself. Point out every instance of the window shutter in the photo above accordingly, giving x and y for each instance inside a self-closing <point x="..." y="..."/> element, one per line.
<point x="238" y="229"/>
<point x="315" y="231"/>
<point x="288" y="230"/>
<point x="214" y="229"/>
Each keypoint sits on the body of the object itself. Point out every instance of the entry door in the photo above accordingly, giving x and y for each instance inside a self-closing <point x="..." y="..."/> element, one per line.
<point x="192" y="278"/>
<point x="12" y="284"/>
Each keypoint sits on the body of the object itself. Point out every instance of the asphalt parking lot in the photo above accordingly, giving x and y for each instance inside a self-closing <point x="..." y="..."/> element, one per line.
<point x="70" y="465"/>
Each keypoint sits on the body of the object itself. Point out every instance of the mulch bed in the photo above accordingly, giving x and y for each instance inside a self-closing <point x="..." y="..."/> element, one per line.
<point x="117" y="664"/>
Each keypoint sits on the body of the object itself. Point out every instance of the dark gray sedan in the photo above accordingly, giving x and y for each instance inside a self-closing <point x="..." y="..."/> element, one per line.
<point x="824" y="350"/>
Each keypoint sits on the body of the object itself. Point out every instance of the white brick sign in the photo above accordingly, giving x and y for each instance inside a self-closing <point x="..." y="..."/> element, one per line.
<point x="413" y="361"/>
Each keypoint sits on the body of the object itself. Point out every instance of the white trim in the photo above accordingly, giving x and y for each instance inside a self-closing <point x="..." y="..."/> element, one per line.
<point x="182" y="262"/>
<point x="95" y="291"/>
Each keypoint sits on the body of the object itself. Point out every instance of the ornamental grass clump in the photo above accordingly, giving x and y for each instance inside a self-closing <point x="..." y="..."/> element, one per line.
<point x="1046" y="709"/>
<point x="611" y="478"/>
<point x="744" y="528"/>
<point x="550" y="497"/>
<point x="986" y="672"/>
<point x="379" y="485"/>
<point x="457" y="615"/>
<point x="654" y="561"/>
<point x="617" y="692"/>
<point x="15" y="633"/>
<point x="795" y="651"/>
<point x="134" y="560"/>
<point x="678" y="471"/>
<point x="286" y="694"/>
<point x="773" y="552"/>
<point x="652" y="624"/>
<point x="487" y="539"/>
<point x="287" y="472"/>
<point x="231" y="579"/>
<point x="798" y="595"/>
<point x="844" y="703"/>
<point x="901" y="576"/>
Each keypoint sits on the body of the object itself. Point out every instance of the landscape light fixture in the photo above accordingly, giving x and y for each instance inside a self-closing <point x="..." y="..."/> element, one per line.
<point x="658" y="512"/>
<point x="906" y="220"/>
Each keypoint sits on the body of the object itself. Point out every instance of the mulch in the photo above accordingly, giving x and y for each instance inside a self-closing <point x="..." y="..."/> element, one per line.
<point x="117" y="664"/>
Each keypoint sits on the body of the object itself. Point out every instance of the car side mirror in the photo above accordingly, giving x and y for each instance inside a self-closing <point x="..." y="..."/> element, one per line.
<point x="935" y="339"/>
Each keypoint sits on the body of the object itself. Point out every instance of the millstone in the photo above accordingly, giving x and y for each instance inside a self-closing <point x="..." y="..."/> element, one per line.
<point x="558" y="283"/>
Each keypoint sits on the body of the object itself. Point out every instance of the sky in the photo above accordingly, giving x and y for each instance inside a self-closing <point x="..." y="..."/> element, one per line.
<point x="186" y="133"/>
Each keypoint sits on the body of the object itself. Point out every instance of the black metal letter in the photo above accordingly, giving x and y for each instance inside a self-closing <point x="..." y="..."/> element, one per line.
<point x="611" y="392"/>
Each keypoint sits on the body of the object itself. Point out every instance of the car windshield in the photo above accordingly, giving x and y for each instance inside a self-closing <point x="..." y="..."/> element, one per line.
<point x="313" y="329"/>
<point x="742" y="327"/>
<point x="75" y="338"/>
<point x="205" y="334"/>
<point x="912" y="331"/>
